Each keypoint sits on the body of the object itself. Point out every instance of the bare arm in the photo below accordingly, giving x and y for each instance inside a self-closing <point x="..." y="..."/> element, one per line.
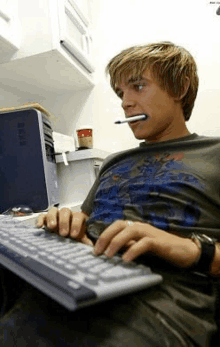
<point x="141" y="238"/>
<point x="215" y="268"/>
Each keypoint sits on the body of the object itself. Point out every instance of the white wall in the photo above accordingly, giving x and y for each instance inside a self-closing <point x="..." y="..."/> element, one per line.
<point x="118" y="24"/>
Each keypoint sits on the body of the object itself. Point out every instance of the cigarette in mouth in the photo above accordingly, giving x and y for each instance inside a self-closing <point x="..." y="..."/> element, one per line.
<point x="131" y="119"/>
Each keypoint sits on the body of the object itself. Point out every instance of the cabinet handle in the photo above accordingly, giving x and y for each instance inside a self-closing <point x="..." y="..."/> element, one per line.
<point x="89" y="41"/>
<point x="4" y="16"/>
<point x="78" y="53"/>
<point x="70" y="13"/>
<point x="84" y="44"/>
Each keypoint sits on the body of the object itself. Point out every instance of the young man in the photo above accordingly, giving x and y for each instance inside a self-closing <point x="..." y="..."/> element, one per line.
<point x="149" y="201"/>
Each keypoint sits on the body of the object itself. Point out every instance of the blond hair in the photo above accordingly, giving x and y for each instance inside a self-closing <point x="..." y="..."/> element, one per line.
<point x="169" y="64"/>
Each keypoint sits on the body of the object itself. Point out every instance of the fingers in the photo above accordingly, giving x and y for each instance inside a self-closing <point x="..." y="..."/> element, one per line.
<point x="106" y="237"/>
<point x="86" y="240"/>
<point x="41" y="220"/>
<point x="77" y="228"/>
<point x="118" y="235"/>
<point x="138" y="248"/>
<point x="64" y="222"/>
<point x="50" y="219"/>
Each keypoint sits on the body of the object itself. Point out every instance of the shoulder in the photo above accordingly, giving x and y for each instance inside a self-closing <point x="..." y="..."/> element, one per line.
<point x="115" y="158"/>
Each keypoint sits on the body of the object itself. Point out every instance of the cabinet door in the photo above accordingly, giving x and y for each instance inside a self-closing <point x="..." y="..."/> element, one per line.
<point x="74" y="34"/>
<point x="10" y="34"/>
<point x="82" y="8"/>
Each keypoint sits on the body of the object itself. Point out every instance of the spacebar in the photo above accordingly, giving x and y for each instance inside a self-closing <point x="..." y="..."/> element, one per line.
<point x="48" y="274"/>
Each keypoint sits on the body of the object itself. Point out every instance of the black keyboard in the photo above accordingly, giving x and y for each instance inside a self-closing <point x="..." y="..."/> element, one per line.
<point x="65" y="269"/>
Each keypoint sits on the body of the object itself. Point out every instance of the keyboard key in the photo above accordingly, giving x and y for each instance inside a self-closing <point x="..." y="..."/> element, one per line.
<point x="74" y="285"/>
<point x="63" y="251"/>
<point x="59" y="261"/>
<point x="91" y="279"/>
<point x="62" y="248"/>
<point x="32" y="248"/>
<point x="69" y="267"/>
<point x="78" y="260"/>
<point x="119" y="272"/>
<point x="42" y="254"/>
<point x="4" y="236"/>
<point x="100" y="268"/>
<point x="75" y="255"/>
<point x="90" y="263"/>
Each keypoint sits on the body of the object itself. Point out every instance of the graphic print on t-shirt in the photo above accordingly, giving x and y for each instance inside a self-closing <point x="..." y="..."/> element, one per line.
<point x="153" y="189"/>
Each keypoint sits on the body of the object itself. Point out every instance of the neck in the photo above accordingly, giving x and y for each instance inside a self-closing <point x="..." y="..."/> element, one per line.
<point x="170" y="134"/>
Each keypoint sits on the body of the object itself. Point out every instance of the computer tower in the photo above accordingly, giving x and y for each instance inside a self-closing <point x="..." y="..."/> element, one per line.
<point x="28" y="173"/>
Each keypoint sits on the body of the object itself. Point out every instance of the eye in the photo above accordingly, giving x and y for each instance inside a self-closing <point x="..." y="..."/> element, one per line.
<point x="139" y="86"/>
<point x="119" y="93"/>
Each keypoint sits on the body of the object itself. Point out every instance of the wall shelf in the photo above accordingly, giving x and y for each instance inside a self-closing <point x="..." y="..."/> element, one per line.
<point x="83" y="154"/>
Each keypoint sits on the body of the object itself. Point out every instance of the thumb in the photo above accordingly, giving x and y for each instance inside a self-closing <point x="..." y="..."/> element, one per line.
<point x="87" y="241"/>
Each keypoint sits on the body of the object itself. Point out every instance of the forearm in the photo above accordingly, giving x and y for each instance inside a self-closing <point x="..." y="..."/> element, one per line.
<point x="215" y="267"/>
<point x="204" y="258"/>
<point x="192" y="253"/>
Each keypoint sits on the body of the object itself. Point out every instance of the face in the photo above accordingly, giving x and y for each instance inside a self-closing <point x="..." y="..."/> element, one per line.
<point x="165" y="118"/>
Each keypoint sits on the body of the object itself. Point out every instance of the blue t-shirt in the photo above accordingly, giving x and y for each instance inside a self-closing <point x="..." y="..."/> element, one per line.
<point x="172" y="185"/>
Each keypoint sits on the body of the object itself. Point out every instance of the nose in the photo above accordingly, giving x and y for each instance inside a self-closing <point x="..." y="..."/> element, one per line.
<point x="128" y="101"/>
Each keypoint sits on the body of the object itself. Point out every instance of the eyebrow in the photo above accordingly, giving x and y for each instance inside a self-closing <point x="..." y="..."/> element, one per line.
<point x="136" y="79"/>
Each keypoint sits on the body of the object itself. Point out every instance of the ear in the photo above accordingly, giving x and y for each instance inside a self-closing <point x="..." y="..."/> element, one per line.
<point x="186" y="87"/>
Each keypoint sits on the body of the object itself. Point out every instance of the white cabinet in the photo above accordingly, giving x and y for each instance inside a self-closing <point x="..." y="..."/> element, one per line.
<point x="44" y="63"/>
<point x="10" y="33"/>
<point x="76" y="179"/>
<point x="74" y="33"/>
<point x="82" y="8"/>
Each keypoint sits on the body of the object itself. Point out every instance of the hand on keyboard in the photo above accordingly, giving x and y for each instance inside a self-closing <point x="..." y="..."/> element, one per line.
<point x="64" y="269"/>
<point x="65" y="223"/>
